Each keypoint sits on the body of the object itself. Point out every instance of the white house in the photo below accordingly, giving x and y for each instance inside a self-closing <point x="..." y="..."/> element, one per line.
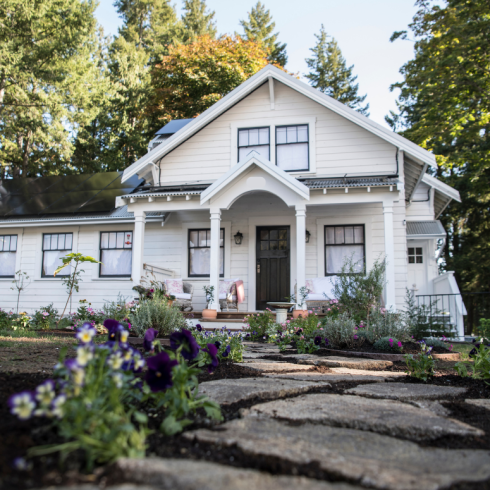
<point x="304" y="179"/>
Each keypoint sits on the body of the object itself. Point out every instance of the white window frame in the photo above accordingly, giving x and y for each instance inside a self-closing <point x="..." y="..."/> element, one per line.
<point x="272" y="123"/>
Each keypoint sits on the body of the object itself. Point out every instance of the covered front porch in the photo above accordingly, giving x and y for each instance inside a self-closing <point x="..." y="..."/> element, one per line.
<point x="283" y="225"/>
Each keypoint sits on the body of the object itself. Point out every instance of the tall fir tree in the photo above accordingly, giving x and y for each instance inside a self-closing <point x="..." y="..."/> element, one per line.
<point x="197" y="20"/>
<point x="259" y="28"/>
<point x="330" y="74"/>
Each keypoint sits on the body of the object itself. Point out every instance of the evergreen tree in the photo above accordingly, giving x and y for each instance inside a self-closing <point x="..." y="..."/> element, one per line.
<point x="47" y="78"/>
<point x="197" y="20"/>
<point x="259" y="28"/>
<point x="331" y="75"/>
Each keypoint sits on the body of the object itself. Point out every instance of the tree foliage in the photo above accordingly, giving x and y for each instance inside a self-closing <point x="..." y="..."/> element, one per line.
<point x="197" y="20"/>
<point x="260" y="28"/>
<point x="192" y="77"/>
<point x="444" y="106"/>
<point x="330" y="74"/>
<point x="47" y="77"/>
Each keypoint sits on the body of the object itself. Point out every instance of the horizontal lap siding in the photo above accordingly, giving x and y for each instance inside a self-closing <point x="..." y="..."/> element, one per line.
<point x="341" y="146"/>
<point x="421" y="210"/>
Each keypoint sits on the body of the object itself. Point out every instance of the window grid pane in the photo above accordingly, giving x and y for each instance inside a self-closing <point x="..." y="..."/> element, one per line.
<point x="8" y="249"/>
<point x="341" y="243"/>
<point x="116" y="240"/>
<point x="199" y="252"/>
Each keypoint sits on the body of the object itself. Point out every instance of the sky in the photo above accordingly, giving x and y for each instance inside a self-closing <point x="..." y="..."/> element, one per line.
<point x="362" y="29"/>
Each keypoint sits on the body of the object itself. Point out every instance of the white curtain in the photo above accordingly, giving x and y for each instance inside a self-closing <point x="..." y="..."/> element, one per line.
<point x="200" y="262"/>
<point x="292" y="157"/>
<point x="116" y="263"/>
<point x="263" y="151"/>
<point x="335" y="257"/>
<point x="7" y="264"/>
<point x="52" y="260"/>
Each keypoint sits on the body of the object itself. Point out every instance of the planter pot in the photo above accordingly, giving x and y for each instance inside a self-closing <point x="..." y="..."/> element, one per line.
<point x="209" y="314"/>
<point x="170" y="302"/>
<point x="297" y="313"/>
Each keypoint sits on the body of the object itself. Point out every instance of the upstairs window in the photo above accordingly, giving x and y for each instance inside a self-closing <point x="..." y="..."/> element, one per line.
<point x="415" y="255"/>
<point x="253" y="139"/>
<point x="292" y="148"/>
<point x="56" y="246"/>
<point x="200" y="250"/>
<point x="8" y="252"/>
<point x="342" y="242"/>
<point x="116" y="248"/>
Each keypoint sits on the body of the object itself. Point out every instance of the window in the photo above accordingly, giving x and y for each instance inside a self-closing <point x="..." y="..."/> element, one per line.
<point x="253" y="139"/>
<point x="8" y="252"/>
<point x="292" y="152"/>
<point x="199" y="253"/>
<point x="415" y="256"/>
<point x="55" y="246"/>
<point x="116" y="249"/>
<point x="343" y="242"/>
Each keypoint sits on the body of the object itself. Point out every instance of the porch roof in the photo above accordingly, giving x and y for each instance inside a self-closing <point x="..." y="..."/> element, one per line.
<point x="425" y="229"/>
<point x="349" y="182"/>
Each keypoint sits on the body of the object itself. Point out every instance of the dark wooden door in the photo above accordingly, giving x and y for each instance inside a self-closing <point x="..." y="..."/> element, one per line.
<point x="273" y="265"/>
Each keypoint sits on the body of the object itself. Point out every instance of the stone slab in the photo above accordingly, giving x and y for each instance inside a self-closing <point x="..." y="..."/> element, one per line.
<point x="433" y="406"/>
<point x="484" y="403"/>
<point x="252" y="355"/>
<point x="389" y="417"/>
<point x="450" y="356"/>
<point x="182" y="474"/>
<point x="228" y="391"/>
<point x="276" y="366"/>
<point x="407" y="391"/>
<point x="367" y="372"/>
<point x="260" y="360"/>
<point x="349" y="362"/>
<point x="365" y="458"/>
<point x="331" y="378"/>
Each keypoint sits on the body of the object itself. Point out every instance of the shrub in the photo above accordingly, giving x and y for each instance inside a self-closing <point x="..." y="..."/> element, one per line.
<point x="422" y="366"/>
<point x="45" y="317"/>
<point x="436" y="343"/>
<point x="484" y="329"/>
<point x="5" y="320"/>
<point x="388" y="344"/>
<point x="360" y="292"/>
<point x="340" y="331"/>
<point x="480" y="366"/>
<point x="156" y="313"/>
<point x="229" y="344"/>
<point x="259" y="324"/>
<point x="383" y="323"/>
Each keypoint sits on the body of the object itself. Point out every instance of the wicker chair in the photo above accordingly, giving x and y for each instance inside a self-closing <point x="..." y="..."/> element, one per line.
<point x="183" y="304"/>
<point x="229" y="301"/>
<point x="321" y="305"/>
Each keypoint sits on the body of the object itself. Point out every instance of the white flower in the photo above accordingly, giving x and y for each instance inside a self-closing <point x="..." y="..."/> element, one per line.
<point x="45" y="392"/>
<point x="115" y="361"/>
<point x="22" y="405"/>
<point x="58" y="406"/>
<point x="78" y="375"/>
<point x="118" y="379"/>
<point x="84" y="355"/>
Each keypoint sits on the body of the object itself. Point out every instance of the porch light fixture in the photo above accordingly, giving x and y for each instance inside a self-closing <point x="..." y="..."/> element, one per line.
<point x="308" y="234"/>
<point x="238" y="238"/>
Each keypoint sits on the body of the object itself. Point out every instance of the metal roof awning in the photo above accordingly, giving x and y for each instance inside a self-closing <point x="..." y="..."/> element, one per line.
<point x="425" y="229"/>
<point x="349" y="182"/>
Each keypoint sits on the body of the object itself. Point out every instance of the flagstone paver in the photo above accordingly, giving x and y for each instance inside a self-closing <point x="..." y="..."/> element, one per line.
<point x="276" y="366"/>
<point x="227" y="391"/>
<point x="389" y="417"/>
<point x="330" y="377"/>
<point x="406" y="391"/>
<point x="484" y="403"/>
<point x="349" y="362"/>
<point x="172" y="474"/>
<point x="366" y="458"/>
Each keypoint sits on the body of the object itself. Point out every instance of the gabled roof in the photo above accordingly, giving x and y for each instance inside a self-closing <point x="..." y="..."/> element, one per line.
<point x="441" y="187"/>
<point x="266" y="166"/>
<point x="411" y="149"/>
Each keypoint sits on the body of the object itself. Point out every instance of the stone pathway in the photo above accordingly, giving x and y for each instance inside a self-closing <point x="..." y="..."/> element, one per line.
<point x="404" y="392"/>
<point x="480" y="403"/>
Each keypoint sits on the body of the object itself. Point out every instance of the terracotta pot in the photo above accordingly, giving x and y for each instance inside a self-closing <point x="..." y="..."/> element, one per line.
<point x="297" y="313"/>
<point x="209" y="314"/>
<point x="170" y="302"/>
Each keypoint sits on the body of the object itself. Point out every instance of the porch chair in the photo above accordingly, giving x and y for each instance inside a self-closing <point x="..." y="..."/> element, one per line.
<point x="316" y="288"/>
<point x="228" y="295"/>
<point x="183" y="292"/>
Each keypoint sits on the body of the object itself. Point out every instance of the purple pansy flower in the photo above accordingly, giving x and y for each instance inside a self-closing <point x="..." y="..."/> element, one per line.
<point x="113" y="328"/>
<point x="227" y="351"/>
<point x="150" y="336"/>
<point x="217" y="344"/>
<point x="159" y="375"/>
<point x="190" y="347"/>
<point x="212" y="350"/>
<point x="22" y="404"/>
<point x="326" y="341"/>
<point x="198" y="327"/>
<point x="317" y="340"/>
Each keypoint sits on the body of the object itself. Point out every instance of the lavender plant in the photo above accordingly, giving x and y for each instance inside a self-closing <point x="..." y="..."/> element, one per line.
<point x="229" y="344"/>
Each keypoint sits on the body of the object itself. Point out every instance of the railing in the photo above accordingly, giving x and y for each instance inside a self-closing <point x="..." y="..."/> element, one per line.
<point x="158" y="273"/>
<point x="441" y="314"/>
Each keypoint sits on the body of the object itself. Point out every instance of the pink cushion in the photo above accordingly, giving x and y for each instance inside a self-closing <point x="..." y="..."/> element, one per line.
<point x="309" y="285"/>
<point x="175" y="286"/>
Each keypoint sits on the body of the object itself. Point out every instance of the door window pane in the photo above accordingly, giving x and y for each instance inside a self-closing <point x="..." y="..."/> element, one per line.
<point x="415" y="255"/>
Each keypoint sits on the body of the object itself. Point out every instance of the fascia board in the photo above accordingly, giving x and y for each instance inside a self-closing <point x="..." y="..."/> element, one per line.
<point x="65" y="222"/>
<point x="237" y="170"/>
<point x="251" y="84"/>
<point x="443" y="188"/>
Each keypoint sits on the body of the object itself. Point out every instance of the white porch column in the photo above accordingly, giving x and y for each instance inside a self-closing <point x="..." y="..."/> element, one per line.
<point x="390" y="256"/>
<point x="138" y="246"/>
<point x="214" y="256"/>
<point x="300" y="251"/>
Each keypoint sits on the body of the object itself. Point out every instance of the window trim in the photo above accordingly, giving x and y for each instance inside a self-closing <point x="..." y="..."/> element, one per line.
<point x="59" y="250"/>
<point x="249" y="146"/>
<point x="10" y="251"/>
<point x="189" y="230"/>
<point x="325" y="245"/>
<point x="100" y="253"/>
<point x="297" y="143"/>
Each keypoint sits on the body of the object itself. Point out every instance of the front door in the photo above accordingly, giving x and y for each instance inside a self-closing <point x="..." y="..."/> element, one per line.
<point x="273" y="265"/>
<point x="417" y="268"/>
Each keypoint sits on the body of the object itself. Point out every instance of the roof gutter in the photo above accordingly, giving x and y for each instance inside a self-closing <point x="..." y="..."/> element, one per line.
<point x="63" y="221"/>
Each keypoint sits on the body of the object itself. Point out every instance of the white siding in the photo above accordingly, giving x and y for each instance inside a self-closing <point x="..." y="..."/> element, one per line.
<point x="342" y="147"/>
<point x="424" y="208"/>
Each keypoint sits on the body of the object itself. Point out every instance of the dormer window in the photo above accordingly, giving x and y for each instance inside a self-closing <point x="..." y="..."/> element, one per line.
<point x="292" y="148"/>
<point x="253" y="139"/>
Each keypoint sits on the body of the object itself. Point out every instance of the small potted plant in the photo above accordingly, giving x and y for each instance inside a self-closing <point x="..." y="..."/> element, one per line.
<point x="303" y="294"/>
<point x="209" y="313"/>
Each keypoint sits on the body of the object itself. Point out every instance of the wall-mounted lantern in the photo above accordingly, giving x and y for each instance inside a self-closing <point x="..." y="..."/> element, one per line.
<point x="238" y="238"/>
<point x="308" y="234"/>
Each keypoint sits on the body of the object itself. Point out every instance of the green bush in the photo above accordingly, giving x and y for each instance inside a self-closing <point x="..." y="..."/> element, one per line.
<point x="480" y="366"/>
<point x="383" y="323"/>
<point x="387" y="344"/>
<point x="339" y="331"/>
<point x="484" y="329"/>
<point x="259" y="324"/>
<point x="157" y="314"/>
<point x="45" y="318"/>
<point x="436" y="343"/>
